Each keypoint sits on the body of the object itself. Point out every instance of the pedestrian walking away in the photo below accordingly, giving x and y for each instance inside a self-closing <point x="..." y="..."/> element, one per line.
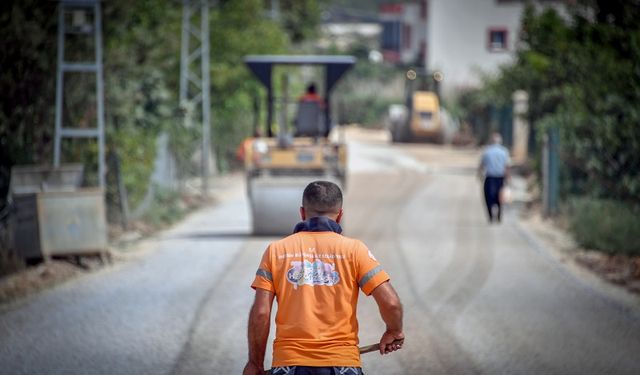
<point x="315" y="275"/>
<point x="494" y="166"/>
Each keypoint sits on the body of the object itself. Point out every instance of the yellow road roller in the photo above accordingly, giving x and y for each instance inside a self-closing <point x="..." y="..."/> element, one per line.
<point x="286" y="157"/>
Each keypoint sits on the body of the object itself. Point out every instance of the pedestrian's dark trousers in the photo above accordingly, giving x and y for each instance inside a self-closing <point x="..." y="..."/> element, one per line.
<point x="492" y="186"/>
<point x="306" y="370"/>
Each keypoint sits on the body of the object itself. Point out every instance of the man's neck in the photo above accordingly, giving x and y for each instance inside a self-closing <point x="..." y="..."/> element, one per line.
<point x="318" y="224"/>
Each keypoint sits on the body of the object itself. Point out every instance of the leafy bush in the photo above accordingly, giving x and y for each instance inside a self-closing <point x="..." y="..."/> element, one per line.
<point x="605" y="225"/>
<point x="27" y="70"/>
<point x="366" y="92"/>
<point x="366" y="110"/>
<point x="167" y="208"/>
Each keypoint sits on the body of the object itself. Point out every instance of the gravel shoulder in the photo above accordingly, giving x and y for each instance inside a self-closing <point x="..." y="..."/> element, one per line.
<point x="124" y="247"/>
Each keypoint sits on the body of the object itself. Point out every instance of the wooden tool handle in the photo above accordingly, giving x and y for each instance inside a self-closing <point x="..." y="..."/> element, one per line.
<point x="363" y="349"/>
<point x="375" y="347"/>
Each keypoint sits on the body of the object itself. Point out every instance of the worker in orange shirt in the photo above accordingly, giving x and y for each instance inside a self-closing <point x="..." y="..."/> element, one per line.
<point x="315" y="274"/>
<point x="244" y="152"/>
<point x="311" y="95"/>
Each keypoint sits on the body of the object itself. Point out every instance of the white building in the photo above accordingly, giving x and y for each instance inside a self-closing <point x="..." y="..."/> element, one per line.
<point x="404" y="32"/>
<point x="462" y="38"/>
<point x="467" y="37"/>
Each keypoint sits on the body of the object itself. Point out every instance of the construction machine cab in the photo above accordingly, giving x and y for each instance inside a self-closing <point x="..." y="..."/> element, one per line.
<point x="335" y="67"/>
<point x="310" y="120"/>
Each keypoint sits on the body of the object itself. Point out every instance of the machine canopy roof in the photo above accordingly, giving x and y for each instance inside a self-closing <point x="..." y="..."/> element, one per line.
<point x="336" y="66"/>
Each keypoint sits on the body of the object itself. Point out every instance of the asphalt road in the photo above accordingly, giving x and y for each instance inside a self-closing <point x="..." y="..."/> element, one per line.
<point x="479" y="298"/>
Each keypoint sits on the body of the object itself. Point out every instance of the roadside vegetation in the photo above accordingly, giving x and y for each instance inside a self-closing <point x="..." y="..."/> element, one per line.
<point x="141" y="73"/>
<point x="142" y="62"/>
<point x="605" y="224"/>
<point x="141" y="79"/>
<point x="369" y="91"/>
<point x="582" y="73"/>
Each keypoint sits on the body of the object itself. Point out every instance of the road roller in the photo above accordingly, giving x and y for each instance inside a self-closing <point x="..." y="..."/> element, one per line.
<point x="286" y="156"/>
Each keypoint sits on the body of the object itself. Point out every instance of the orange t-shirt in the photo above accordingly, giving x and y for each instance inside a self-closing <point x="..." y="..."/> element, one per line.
<point x="315" y="277"/>
<point x="312" y="97"/>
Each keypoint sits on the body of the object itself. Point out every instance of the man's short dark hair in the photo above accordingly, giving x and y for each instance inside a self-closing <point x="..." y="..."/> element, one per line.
<point x="311" y="88"/>
<point x="322" y="197"/>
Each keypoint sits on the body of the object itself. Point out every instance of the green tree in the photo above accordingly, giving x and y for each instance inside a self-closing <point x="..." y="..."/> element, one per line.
<point x="583" y="76"/>
<point x="142" y="43"/>
<point x="301" y="18"/>
<point x="238" y="28"/>
<point x="27" y="69"/>
<point x="141" y="71"/>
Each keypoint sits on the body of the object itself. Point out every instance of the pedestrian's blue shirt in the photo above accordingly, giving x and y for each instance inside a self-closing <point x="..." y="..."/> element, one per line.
<point x="495" y="160"/>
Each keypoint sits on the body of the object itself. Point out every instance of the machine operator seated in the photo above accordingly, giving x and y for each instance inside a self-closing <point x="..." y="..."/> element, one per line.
<point x="310" y="120"/>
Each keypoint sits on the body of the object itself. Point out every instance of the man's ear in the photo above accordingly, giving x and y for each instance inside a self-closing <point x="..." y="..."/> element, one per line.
<point x="303" y="214"/>
<point x="339" y="217"/>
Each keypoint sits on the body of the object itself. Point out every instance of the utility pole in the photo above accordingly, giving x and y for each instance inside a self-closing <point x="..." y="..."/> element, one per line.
<point x="274" y="13"/>
<point x="79" y="10"/>
<point x="550" y="172"/>
<point x="194" y="82"/>
<point x="520" y="126"/>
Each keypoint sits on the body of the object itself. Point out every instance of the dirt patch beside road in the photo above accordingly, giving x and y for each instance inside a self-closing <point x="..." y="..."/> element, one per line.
<point x="124" y="246"/>
<point x="33" y="279"/>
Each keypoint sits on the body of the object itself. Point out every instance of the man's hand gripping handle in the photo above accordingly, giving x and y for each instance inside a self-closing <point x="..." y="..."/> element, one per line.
<point x="395" y="345"/>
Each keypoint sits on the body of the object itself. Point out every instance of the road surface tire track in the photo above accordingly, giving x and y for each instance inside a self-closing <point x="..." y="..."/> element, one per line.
<point x="189" y="351"/>
<point x="452" y="358"/>
<point x="433" y="337"/>
<point x="468" y="268"/>
<point x="388" y="206"/>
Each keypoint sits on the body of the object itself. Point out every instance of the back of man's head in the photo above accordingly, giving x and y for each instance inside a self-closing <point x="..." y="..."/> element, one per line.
<point x="311" y="89"/>
<point x="321" y="198"/>
<point x="496" y="139"/>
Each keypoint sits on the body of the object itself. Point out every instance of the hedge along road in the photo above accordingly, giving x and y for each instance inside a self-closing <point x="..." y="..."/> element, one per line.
<point x="478" y="298"/>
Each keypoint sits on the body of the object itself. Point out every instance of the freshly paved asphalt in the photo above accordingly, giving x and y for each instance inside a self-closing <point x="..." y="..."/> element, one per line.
<point x="479" y="298"/>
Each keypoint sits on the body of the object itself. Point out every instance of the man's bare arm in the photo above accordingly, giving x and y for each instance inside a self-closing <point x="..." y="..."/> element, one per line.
<point x="391" y="312"/>
<point x="258" y="331"/>
<point x="480" y="170"/>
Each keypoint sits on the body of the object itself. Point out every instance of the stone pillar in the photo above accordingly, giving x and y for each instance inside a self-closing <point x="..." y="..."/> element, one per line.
<point x="520" y="126"/>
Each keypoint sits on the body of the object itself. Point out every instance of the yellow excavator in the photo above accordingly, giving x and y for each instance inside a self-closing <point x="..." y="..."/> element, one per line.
<point x="280" y="164"/>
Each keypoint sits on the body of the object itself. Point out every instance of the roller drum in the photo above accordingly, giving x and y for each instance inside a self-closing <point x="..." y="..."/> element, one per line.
<point x="275" y="202"/>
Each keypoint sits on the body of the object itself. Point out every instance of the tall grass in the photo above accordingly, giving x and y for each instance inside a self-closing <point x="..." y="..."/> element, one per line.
<point x="605" y="225"/>
<point x="167" y="208"/>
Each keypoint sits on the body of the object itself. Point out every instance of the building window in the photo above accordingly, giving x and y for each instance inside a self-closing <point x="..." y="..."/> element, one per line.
<point x="406" y="36"/>
<point x="391" y="35"/>
<point x="423" y="9"/>
<point x="497" y="41"/>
